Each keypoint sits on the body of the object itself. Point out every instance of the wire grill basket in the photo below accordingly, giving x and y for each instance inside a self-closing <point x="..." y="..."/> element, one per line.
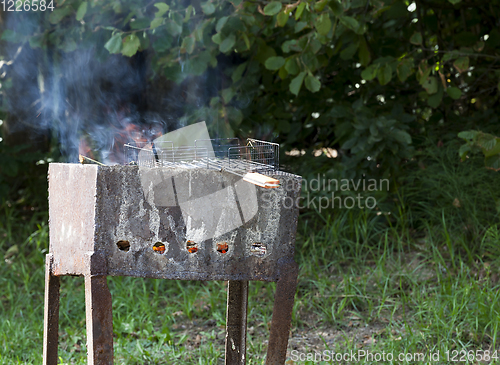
<point x="221" y="154"/>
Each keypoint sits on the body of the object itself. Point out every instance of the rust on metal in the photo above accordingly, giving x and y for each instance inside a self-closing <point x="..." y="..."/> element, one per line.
<point x="236" y="322"/>
<point x="282" y="312"/>
<point x="51" y="315"/>
<point x="122" y="211"/>
<point x="169" y="223"/>
<point x="99" y="319"/>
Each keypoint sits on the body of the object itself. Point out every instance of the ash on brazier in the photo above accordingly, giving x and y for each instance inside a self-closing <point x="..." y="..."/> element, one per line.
<point x="169" y="223"/>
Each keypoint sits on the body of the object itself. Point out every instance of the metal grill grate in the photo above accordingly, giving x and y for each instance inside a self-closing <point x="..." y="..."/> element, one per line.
<point x="220" y="154"/>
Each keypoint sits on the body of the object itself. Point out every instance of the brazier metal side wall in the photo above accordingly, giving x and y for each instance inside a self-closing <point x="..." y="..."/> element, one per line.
<point x="169" y="223"/>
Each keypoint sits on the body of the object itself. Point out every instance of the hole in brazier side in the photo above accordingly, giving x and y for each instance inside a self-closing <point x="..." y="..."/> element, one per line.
<point x="222" y="247"/>
<point x="258" y="249"/>
<point x="159" y="247"/>
<point x="123" y="245"/>
<point x="191" y="246"/>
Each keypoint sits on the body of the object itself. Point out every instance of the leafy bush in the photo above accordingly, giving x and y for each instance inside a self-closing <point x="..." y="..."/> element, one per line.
<point x="487" y="143"/>
<point x="369" y="78"/>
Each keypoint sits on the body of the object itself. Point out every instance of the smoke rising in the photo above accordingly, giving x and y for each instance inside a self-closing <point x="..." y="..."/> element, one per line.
<point x="90" y="101"/>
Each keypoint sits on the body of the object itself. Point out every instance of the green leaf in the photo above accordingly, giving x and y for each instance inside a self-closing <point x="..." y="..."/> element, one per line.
<point x="312" y="84"/>
<point x="162" y="9"/>
<point x="227" y="94"/>
<point x="402" y="137"/>
<point x="173" y="28"/>
<point x="282" y="18"/>
<point x="274" y="63"/>
<point x="454" y="92"/>
<point x="11" y="36"/>
<point x="291" y="66"/>
<point x="487" y="143"/>
<point x="323" y="24"/>
<point x="454" y="1"/>
<point x="296" y="83"/>
<point x="288" y="44"/>
<point x="220" y="23"/>
<point x="36" y="41"/>
<point x="450" y="55"/>
<point x="315" y="45"/>
<point x="264" y="52"/>
<point x="492" y="162"/>
<point x="196" y="66"/>
<point x="272" y="8"/>
<point x="114" y="44"/>
<point x="300" y="26"/>
<point x="215" y="102"/>
<point x="140" y="23"/>
<point x="177" y="17"/>
<point x="312" y="62"/>
<point x="235" y="115"/>
<point x="336" y="7"/>
<point x="131" y="44"/>
<point x="300" y="10"/>
<point x="364" y="52"/>
<point x="416" y="38"/>
<point x="461" y="64"/>
<point x="468" y="135"/>
<point x="238" y="72"/>
<point x="82" y="10"/>
<point x="370" y="72"/>
<point x="208" y="8"/>
<point x="156" y="22"/>
<point x="217" y="38"/>
<point x="227" y="44"/>
<point x="349" y="22"/>
<point x="430" y="85"/>
<point x="349" y="52"/>
<point x="162" y="44"/>
<point x="59" y="14"/>
<point x="282" y="73"/>
<point x="144" y="39"/>
<point x="384" y="74"/>
<point x="320" y="5"/>
<point x="404" y="69"/>
<point x="187" y="45"/>
<point x="246" y="40"/>
<point x="494" y="148"/>
<point x="424" y="72"/>
<point x="435" y="100"/>
<point x="350" y="143"/>
<point x="463" y="151"/>
<point x="189" y="11"/>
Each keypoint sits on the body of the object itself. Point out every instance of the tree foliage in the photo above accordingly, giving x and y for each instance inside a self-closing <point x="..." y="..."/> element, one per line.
<point x="488" y="144"/>
<point x="368" y="77"/>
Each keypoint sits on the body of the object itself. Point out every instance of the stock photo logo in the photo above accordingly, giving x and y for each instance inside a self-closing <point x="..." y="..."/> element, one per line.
<point x="321" y="193"/>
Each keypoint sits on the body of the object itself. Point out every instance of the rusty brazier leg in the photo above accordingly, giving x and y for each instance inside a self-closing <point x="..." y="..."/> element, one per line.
<point x="282" y="313"/>
<point x="99" y="321"/>
<point x="98" y="309"/>
<point x="236" y="322"/>
<point x="51" y="314"/>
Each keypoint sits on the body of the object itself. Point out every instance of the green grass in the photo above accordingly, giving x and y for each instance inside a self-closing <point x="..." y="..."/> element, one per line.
<point x="367" y="282"/>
